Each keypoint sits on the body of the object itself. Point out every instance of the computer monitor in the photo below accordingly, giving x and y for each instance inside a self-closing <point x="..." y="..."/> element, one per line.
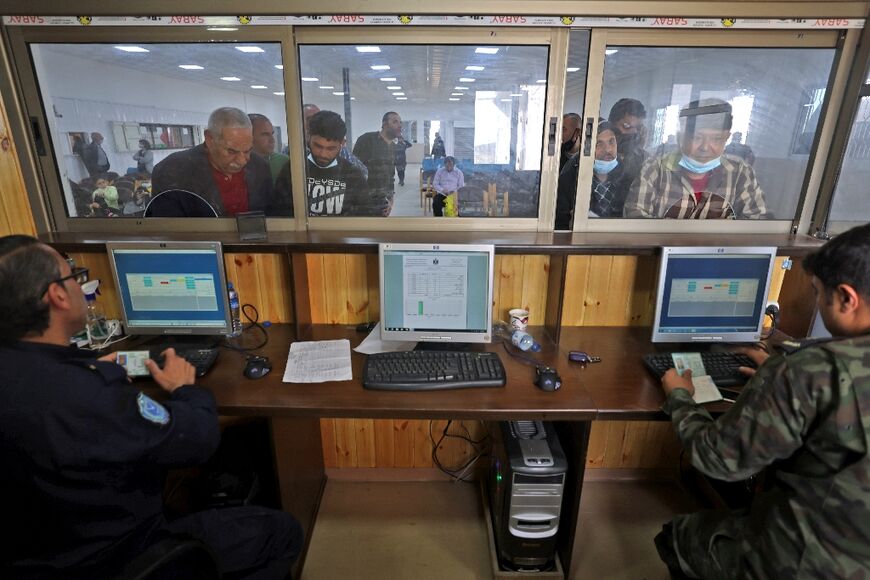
<point x="712" y="294"/>
<point x="173" y="288"/>
<point x="436" y="292"/>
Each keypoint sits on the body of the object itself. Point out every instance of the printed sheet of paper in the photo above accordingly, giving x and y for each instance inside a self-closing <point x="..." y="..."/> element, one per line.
<point x="318" y="362"/>
<point x="689" y="360"/>
<point x="372" y="344"/>
<point x="705" y="389"/>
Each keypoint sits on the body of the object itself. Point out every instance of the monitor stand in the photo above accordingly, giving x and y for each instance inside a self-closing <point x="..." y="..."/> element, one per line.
<point x="451" y="346"/>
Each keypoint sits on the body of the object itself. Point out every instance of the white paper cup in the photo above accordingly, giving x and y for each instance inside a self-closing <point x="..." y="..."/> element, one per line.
<point x="519" y="318"/>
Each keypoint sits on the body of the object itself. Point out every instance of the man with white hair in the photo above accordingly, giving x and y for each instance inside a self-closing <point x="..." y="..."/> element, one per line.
<point x="221" y="172"/>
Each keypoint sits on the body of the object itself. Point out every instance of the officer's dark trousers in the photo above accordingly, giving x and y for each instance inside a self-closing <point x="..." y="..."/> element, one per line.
<point x="704" y="544"/>
<point x="249" y="542"/>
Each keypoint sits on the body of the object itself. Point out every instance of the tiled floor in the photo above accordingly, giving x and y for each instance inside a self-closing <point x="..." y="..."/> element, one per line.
<point x="435" y="531"/>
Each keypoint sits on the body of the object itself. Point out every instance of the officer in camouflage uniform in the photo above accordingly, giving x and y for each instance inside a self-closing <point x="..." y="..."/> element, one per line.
<point x="806" y="415"/>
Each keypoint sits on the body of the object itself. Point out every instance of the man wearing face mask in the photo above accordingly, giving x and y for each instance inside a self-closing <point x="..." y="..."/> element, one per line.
<point x="699" y="180"/>
<point x="570" y="138"/>
<point x="627" y="117"/>
<point x="805" y="416"/>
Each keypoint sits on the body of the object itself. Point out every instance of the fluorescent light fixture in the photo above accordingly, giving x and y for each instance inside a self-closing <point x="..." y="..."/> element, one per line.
<point x="516" y="94"/>
<point x="401" y="98"/>
<point x="279" y="93"/>
<point x="310" y="79"/>
<point x="474" y="67"/>
<point x="388" y="79"/>
<point x="338" y="93"/>
<point x="506" y="100"/>
<point x="353" y="98"/>
<point x="368" y="49"/>
<point x="250" y="49"/>
<point x="221" y="28"/>
<point x="127" y="48"/>
<point x="279" y="66"/>
<point x="190" y="66"/>
<point x="573" y="68"/>
<point x="460" y="88"/>
<point x="394" y="88"/>
<point x="466" y="80"/>
<point x="610" y="51"/>
<point x="380" y="67"/>
<point x="398" y="94"/>
<point x="541" y="81"/>
<point x="453" y="99"/>
<point x="456" y="94"/>
<point x="230" y="79"/>
<point x="326" y="87"/>
<point x="259" y="87"/>
<point x="486" y="50"/>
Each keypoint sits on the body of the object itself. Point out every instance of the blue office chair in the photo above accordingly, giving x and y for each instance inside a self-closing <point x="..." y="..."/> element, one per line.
<point x="173" y="558"/>
<point x="179" y="203"/>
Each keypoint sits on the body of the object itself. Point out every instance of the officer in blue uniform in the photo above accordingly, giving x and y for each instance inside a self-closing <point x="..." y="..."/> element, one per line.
<point x="84" y="453"/>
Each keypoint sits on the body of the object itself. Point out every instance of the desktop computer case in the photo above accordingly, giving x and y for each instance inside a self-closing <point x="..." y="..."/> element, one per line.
<point x="526" y="484"/>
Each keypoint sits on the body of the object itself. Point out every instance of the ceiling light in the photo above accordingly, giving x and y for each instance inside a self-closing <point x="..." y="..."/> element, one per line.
<point x="368" y="49"/>
<point x="279" y="66"/>
<point x="259" y="87"/>
<point x="190" y="66"/>
<point x="132" y="49"/>
<point x="506" y="100"/>
<point x="453" y="99"/>
<point x="573" y="68"/>
<point x="353" y="98"/>
<point x="326" y="87"/>
<point x="338" y="93"/>
<point x="610" y="51"/>
<point x="380" y="67"/>
<point x="394" y="88"/>
<point x="460" y="88"/>
<point x="310" y="79"/>
<point x="466" y="80"/>
<point x="401" y="98"/>
<point x="474" y="67"/>
<point x="516" y="94"/>
<point x="250" y="49"/>
<point x="221" y="29"/>
<point x="389" y="79"/>
<point x="398" y="94"/>
<point x="456" y="94"/>
<point x="541" y="81"/>
<point x="486" y="50"/>
<point x="279" y="93"/>
<point x="230" y="79"/>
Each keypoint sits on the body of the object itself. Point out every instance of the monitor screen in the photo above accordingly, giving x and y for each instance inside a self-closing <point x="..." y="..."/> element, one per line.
<point x="171" y="287"/>
<point x="711" y="294"/>
<point x="436" y="292"/>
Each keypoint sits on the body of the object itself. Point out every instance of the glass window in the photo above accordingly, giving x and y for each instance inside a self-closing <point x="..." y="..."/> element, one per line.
<point x="129" y="127"/>
<point x="417" y="130"/>
<point x="572" y="127"/>
<point x="850" y="206"/>
<point x="706" y="132"/>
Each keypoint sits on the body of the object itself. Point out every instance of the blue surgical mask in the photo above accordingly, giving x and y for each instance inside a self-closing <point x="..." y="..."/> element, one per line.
<point x="690" y="164"/>
<point x="604" y="167"/>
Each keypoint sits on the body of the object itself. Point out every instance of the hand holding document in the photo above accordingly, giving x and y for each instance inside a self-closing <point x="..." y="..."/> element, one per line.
<point x="705" y="388"/>
<point x="319" y="362"/>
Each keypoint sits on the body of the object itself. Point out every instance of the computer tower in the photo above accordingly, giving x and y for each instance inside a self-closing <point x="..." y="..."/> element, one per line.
<point x="526" y="483"/>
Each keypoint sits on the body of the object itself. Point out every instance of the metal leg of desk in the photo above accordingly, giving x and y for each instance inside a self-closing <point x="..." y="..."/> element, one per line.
<point x="301" y="477"/>
<point x="574" y="437"/>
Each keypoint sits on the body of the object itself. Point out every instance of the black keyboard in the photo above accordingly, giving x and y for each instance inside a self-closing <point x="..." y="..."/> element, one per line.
<point x="721" y="366"/>
<point x="430" y="370"/>
<point x="201" y="358"/>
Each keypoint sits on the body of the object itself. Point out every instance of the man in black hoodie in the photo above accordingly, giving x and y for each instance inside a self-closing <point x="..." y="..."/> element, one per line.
<point x="334" y="185"/>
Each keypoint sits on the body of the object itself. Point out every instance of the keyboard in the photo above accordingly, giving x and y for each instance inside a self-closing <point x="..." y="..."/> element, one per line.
<point x="721" y="366"/>
<point x="432" y="370"/>
<point x="201" y="358"/>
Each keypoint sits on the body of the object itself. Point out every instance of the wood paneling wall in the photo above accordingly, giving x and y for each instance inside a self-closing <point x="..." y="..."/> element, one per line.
<point x="15" y="214"/>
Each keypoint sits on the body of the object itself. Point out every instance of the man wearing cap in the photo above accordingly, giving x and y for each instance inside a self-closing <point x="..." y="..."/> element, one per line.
<point x="699" y="180"/>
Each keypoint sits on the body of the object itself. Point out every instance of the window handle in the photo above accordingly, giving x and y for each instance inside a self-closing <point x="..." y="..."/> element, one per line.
<point x="37" y="136"/>
<point x="587" y="134"/>
<point x="551" y="140"/>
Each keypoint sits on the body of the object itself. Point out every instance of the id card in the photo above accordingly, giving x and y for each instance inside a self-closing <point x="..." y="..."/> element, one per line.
<point x="134" y="362"/>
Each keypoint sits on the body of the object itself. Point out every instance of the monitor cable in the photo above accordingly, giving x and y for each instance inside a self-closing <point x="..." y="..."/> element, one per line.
<point x="460" y="472"/>
<point x="253" y="322"/>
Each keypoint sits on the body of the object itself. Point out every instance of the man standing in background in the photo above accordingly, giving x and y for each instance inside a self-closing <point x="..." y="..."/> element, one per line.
<point x="377" y="151"/>
<point x="95" y="159"/>
<point x="264" y="143"/>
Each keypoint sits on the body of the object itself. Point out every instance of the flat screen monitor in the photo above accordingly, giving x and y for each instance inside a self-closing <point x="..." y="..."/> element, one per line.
<point x="436" y="292"/>
<point x="712" y="294"/>
<point x="173" y="288"/>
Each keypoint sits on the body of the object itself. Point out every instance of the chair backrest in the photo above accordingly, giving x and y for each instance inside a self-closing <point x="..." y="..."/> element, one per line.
<point x="173" y="557"/>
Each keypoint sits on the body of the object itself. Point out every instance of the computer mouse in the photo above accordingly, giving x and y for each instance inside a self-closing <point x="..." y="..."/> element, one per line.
<point x="257" y="367"/>
<point x="547" y="379"/>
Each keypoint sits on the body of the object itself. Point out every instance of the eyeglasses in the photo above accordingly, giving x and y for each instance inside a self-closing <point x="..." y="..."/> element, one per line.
<point x="80" y="275"/>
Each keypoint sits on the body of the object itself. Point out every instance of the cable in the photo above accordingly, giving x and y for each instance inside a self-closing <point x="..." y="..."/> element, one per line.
<point x="254" y="323"/>
<point x="516" y="355"/>
<point x="458" y="473"/>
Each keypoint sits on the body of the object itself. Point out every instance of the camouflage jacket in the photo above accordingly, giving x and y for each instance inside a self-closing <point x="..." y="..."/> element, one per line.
<point x="807" y="415"/>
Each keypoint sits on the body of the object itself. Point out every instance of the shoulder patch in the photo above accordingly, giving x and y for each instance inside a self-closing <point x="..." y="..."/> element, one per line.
<point x="151" y="410"/>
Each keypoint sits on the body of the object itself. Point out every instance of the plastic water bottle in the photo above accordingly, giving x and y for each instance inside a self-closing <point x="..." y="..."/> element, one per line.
<point x="524" y="341"/>
<point x="95" y="319"/>
<point x="235" y="310"/>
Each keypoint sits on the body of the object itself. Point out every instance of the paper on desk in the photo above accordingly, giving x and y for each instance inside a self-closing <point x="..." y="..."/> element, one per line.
<point x="689" y="360"/>
<point x="318" y="362"/>
<point x="705" y="389"/>
<point x="372" y="344"/>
